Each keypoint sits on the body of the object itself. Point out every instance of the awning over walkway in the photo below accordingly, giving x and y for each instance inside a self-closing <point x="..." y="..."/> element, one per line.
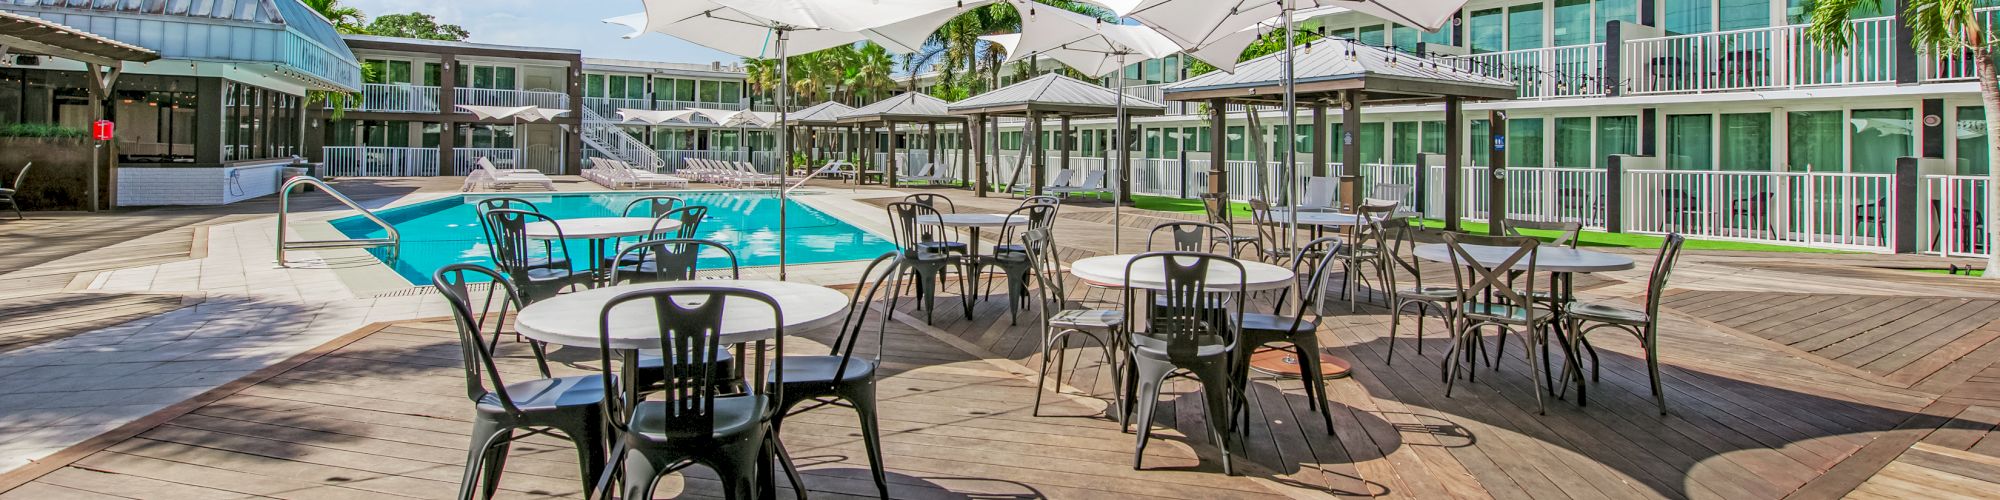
<point x="21" y="34"/>
<point x="1334" y="65"/>
<point x="910" y="107"/>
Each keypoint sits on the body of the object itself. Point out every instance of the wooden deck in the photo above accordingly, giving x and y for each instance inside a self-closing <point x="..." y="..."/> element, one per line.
<point x="1781" y="383"/>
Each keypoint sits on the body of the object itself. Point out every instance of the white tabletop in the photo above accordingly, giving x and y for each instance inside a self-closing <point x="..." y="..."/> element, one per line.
<point x="1547" y="258"/>
<point x="1316" y="218"/>
<point x="1109" y="270"/>
<point x="974" y="220"/>
<point x="592" y="228"/>
<point x="571" y="319"/>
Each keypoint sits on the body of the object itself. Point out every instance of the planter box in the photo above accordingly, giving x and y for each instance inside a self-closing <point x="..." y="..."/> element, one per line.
<point x="60" y="179"/>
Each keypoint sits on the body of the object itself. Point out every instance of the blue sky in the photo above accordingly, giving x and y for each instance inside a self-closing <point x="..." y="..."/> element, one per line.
<point x="573" y="24"/>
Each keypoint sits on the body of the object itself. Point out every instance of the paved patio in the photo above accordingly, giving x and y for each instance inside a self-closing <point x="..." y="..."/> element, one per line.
<point x="1788" y="376"/>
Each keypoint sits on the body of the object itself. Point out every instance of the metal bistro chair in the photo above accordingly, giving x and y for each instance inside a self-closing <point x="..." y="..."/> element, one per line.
<point x="1585" y="317"/>
<point x="1271" y="247"/>
<point x="539" y="277"/>
<point x="653" y="206"/>
<point x="1187" y="236"/>
<point x="673" y="260"/>
<point x="1191" y="334"/>
<point x="1217" y="210"/>
<point x="1400" y="237"/>
<point x="1302" y="334"/>
<point x="1060" y="322"/>
<point x="694" y="420"/>
<point x="690" y="218"/>
<point x="1504" y="306"/>
<point x="840" y="379"/>
<point x="7" y="193"/>
<point x="1042" y="200"/>
<point x="1364" y="251"/>
<point x="1012" y="258"/>
<point x="928" y="254"/>
<point x="567" y="407"/>
<point x="506" y="202"/>
<point x="1568" y="235"/>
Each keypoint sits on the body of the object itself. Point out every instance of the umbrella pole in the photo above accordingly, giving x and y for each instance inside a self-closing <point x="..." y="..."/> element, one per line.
<point x="784" y="149"/>
<point x="1290" y="168"/>
<point x="1124" y="157"/>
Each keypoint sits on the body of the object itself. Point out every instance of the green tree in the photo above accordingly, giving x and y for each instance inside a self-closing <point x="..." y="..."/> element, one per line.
<point x="347" y="20"/>
<point x="416" y="25"/>
<point x="1303" y="33"/>
<point x="1939" y="27"/>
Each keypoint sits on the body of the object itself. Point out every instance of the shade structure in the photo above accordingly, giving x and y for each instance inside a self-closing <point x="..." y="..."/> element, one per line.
<point x="822" y="114"/>
<point x="23" y="34"/>
<point x="1200" y="23"/>
<point x="905" y="108"/>
<point x="1054" y="93"/>
<point x="521" y="113"/>
<point x="653" y="116"/>
<point x="1382" y="75"/>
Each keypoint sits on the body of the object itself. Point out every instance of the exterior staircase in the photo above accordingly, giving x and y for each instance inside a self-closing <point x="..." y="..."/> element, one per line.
<point x="604" y="137"/>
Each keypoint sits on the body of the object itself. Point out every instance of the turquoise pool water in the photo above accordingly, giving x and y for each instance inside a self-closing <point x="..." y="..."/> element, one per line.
<point x="446" y="231"/>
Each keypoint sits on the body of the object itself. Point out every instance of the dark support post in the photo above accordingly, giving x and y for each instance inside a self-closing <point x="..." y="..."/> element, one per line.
<point x="1454" y="158"/>
<point x="933" y="140"/>
<point x="1184" y="173"/>
<point x="1906" y="46"/>
<point x="1319" y="139"/>
<point x="1933" y="136"/>
<point x="1614" y="36"/>
<point x="1033" y="133"/>
<point x="977" y="134"/>
<point x="889" y="170"/>
<point x="1350" y="150"/>
<point x="1614" y="193"/>
<point x="1496" y="177"/>
<point x="1062" y="142"/>
<point x="448" y="130"/>
<point x="1906" y="200"/>
<point x="1422" y="187"/>
<point x="1649" y="138"/>
<point x="1218" y="148"/>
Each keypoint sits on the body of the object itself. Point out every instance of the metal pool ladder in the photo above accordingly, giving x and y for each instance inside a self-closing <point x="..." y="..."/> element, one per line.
<point x="393" y="240"/>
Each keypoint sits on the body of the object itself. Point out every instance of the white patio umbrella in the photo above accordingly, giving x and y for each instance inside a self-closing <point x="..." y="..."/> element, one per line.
<point x="1198" y="23"/>
<point x="900" y="26"/>
<point x="1093" y="47"/>
<point x="652" y="116"/>
<point x="516" y="113"/>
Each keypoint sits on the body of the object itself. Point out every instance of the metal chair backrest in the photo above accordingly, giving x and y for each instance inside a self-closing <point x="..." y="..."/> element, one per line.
<point x="20" y="177"/>
<point x="673" y="259"/>
<point x="1366" y="234"/>
<point x="933" y="200"/>
<point x="690" y="218"/>
<point x="499" y="202"/>
<point x="1493" y="277"/>
<point x="1216" y="208"/>
<point x="1039" y="217"/>
<point x="918" y="239"/>
<point x="1400" y="237"/>
<point x="1397" y="192"/>
<point x="1188" y="308"/>
<point x="870" y="284"/>
<point x="1267" y="228"/>
<point x="1042" y="256"/>
<point x="1663" y="268"/>
<point x="480" y="327"/>
<point x="511" y="248"/>
<point x="1568" y="232"/>
<point x="1042" y="200"/>
<point x="1187" y="236"/>
<point x="689" y="322"/>
<point x="1312" y="262"/>
<point x="654" y="206"/>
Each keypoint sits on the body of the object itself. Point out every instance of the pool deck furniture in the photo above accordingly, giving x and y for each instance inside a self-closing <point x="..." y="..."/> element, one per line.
<point x="7" y="192"/>
<point x="599" y="231"/>
<point x="491" y="177"/>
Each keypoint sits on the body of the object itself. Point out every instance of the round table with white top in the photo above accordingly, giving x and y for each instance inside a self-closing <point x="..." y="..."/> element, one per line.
<point x="598" y="230"/>
<point x="1109" y="271"/>
<point x="973" y="222"/>
<point x="1316" y="218"/>
<point x="571" y="319"/>
<point x="1547" y="259"/>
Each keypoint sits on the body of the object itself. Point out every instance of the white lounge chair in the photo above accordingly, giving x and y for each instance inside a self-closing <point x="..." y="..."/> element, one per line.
<point x="1062" y="179"/>
<point x="496" y="178"/>
<point x="1093" y="182"/>
<point x="646" y="177"/>
<point x="749" y="176"/>
<point x="1320" y="193"/>
<point x="837" y="169"/>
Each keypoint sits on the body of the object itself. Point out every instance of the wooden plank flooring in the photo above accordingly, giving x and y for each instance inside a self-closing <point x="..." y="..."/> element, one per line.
<point x="1901" y="339"/>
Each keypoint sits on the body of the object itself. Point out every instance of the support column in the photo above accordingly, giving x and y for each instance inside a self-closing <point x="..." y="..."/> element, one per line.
<point x="1454" y="158"/>
<point x="1218" y="148"/>
<point x="889" y="170"/>
<point x="1063" y="142"/>
<point x="933" y="143"/>
<point x="1496" y="177"/>
<point x="1350" y="150"/>
<point x="1036" y="158"/>
<point x="448" y="107"/>
<point x="977" y="135"/>
<point x="1319" y="151"/>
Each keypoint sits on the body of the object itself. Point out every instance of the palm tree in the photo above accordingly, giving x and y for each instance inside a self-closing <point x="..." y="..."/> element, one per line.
<point x="1940" y="27"/>
<point x="873" y="74"/>
<point x="347" y="20"/>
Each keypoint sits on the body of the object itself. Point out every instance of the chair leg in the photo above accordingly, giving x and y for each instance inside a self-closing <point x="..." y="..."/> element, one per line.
<point x="1150" y="375"/>
<point x="862" y="396"/>
<point x="1396" y="320"/>
<point x="642" y="474"/>
<point x="1653" y="367"/>
<point x="1307" y="344"/>
<point x="784" y="459"/>
<point x="587" y="433"/>
<point x="1041" y="381"/>
<point x="487" y="434"/>
<point x="1217" y="387"/>
<point x="1534" y="337"/>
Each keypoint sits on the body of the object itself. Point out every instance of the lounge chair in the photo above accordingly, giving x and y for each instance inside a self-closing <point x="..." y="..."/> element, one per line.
<point x="645" y="177"/>
<point x="1062" y="179"/>
<point x="751" y="177"/>
<point x="923" y="176"/>
<point x="1321" y="193"/>
<point x="511" y="178"/>
<point x="7" y="193"/>
<point x="1093" y="183"/>
<point x="837" y="169"/>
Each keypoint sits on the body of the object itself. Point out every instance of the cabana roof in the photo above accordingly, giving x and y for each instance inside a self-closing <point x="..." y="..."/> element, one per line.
<point x="825" y="113"/>
<point x="1338" y="64"/>
<point x="1055" y="94"/>
<point x="33" y="35"/>
<point x="910" y="107"/>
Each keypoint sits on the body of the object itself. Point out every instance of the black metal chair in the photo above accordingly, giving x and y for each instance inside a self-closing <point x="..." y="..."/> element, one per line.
<point x="1189" y="332"/>
<point x="1364" y="251"/>
<point x="672" y="259"/>
<point x="1682" y="208"/>
<point x="695" y="420"/>
<point x="1042" y="200"/>
<point x="538" y="276"/>
<point x="7" y="193"/>
<point x="1488" y="297"/>
<point x="1586" y="317"/>
<point x="653" y="206"/>
<point x="1400" y="237"/>
<point x="1260" y="329"/>
<point x="1060" y="322"/>
<point x="1012" y="258"/>
<point x="567" y="407"/>
<point x="1754" y="209"/>
<point x="933" y="200"/>
<point x="1272" y="246"/>
<point x="1568" y="234"/>
<point x="690" y="218"/>
<point x="928" y="254"/>
<point x="1217" y="210"/>
<point x="507" y="202"/>
<point x="840" y="379"/>
<point x="1187" y="236"/>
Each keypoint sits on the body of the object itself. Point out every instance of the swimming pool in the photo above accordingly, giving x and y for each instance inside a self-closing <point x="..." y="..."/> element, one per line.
<point x="446" y="231"/>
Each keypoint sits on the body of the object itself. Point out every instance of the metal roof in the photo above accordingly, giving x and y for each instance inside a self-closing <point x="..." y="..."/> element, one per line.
<point x="1335" y="64"/>
<point x="1054" y="93"/>
<point x="825" y="113"/>
<point x="908" y="107"/>
<point x="26" y="34"/>
<point x="284" y="37"/>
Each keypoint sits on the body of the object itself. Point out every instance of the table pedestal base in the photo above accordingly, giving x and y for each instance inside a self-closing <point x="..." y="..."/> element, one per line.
<point x="1284" y="363"/>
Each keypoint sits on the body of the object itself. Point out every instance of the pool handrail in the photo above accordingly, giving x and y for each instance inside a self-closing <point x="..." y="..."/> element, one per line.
<point x="393" y="240"/>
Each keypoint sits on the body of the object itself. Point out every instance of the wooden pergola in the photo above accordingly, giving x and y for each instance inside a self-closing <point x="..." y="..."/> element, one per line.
<point x="1341" y="73"/>
<point x="909" y="107"/>
<point x="814" y="121"/>
<point x="1037" y="98"/>
<point x="103" y="58"/>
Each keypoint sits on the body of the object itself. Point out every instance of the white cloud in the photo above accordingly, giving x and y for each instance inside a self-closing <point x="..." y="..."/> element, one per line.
<point x="572" y="24"/>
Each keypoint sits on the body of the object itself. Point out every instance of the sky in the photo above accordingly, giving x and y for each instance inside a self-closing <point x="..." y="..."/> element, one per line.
<point x="571" y="24"/>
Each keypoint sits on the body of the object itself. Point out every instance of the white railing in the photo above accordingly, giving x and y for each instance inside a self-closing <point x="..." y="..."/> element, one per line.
<point x="1537" y="194"/>
<point x="1813" y="209"/>
<point x="499" y="97"/>
<point x="396" y="98"/>
<point x="678" y="105"/>
<point x="1958" y="65"/>
<point x="465" y="160"/>
<point x="1153" y="93"/>
<point x="1952" y="221"/>
<point x="1543" y="73"/>
<point x="607" y="107"/>
<point x="369" y="161"/>
<point x="1774" y="57"/>
<point x="601" y="134"/>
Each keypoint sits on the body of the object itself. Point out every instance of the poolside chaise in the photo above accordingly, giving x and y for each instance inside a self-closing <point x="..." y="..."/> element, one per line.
<point x="496" y="178"/>
<point x="1093" y="183"/>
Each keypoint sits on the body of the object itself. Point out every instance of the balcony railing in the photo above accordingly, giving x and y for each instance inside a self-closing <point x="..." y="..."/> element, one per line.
<point x="1550" y="72"/>
<point x="608" y="107"/>
<point x="499" y="97"/>
<point x="396" y="98"/>
<point x="1958" y="65"/>
<point x="1953" y="222"/>
<point x="1760" y="58"/>
<point x="466" y="160"/>
<point x="371" y="161"/>
<point x="677" y="105"/>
